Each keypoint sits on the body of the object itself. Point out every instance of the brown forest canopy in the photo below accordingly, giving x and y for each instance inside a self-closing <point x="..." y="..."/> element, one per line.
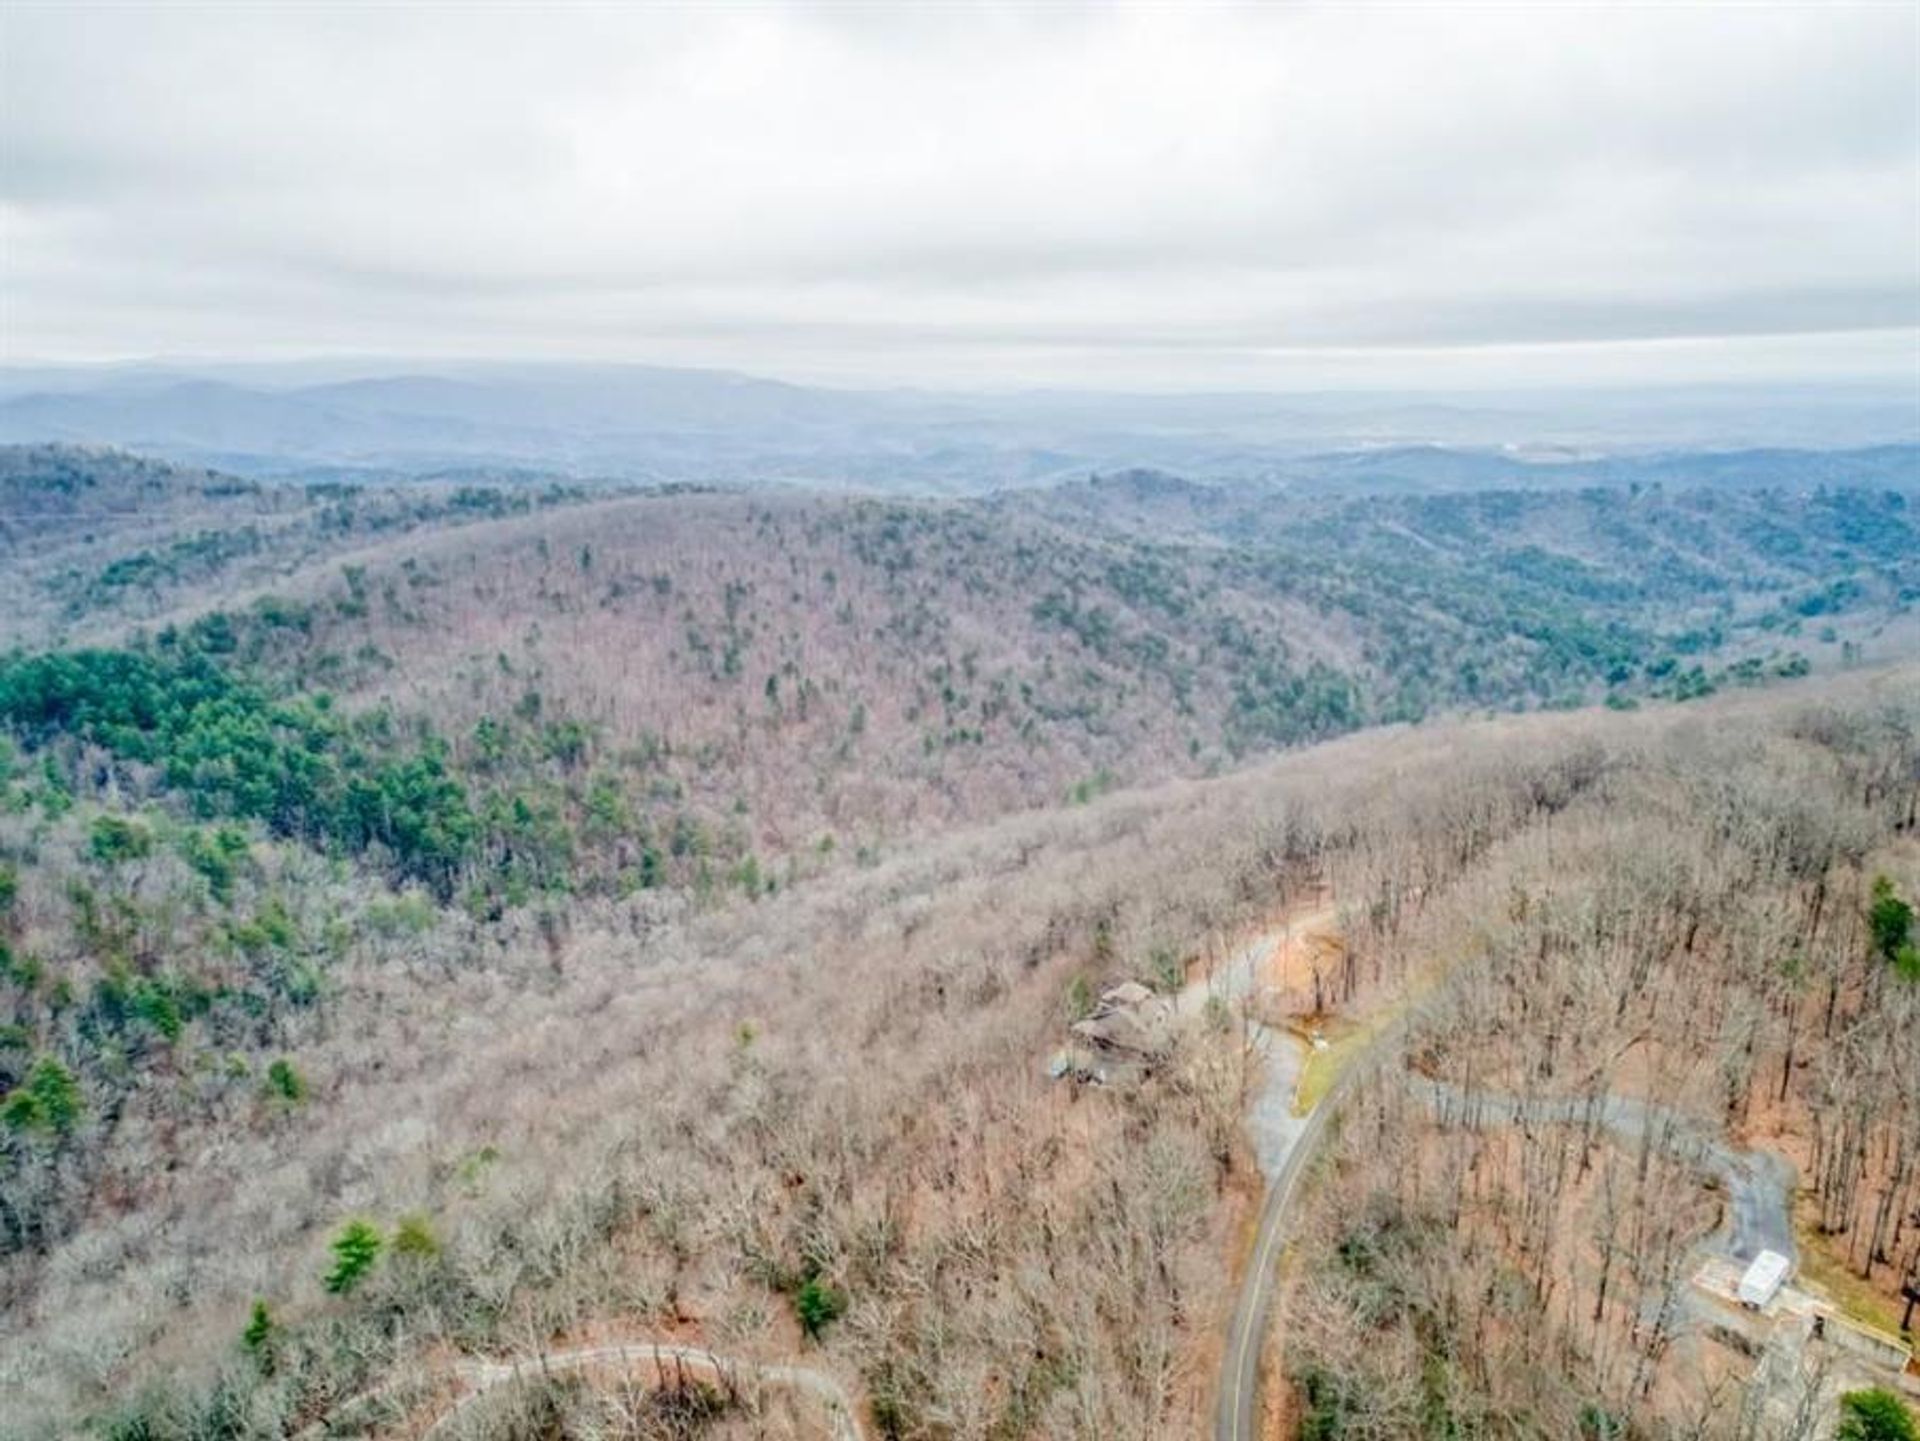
<point x="455" y="918"/>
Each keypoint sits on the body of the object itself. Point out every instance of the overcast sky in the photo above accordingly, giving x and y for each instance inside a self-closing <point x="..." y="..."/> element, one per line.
<point x="1167" y="196"/>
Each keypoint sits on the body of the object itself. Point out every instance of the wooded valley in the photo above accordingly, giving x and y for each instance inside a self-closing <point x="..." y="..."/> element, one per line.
<point x="450" y="923"/>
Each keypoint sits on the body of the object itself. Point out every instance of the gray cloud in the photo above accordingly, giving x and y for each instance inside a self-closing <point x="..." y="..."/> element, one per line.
<point x="1150" y="196"/>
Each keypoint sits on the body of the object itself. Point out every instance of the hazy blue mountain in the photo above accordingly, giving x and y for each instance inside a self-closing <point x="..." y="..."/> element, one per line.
<point x="646" y="423"/>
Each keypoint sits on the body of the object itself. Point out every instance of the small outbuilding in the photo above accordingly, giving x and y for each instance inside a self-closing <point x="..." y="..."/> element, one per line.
<point x="1762" y="1280"/>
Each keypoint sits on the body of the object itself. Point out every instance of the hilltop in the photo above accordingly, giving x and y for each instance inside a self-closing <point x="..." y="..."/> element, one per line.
<point x="768" y="677"/>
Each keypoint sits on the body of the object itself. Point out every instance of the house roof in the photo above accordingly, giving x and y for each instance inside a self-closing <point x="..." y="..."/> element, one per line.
<point x="1129" y="1018"/>
<point x="1764" y="1277"/>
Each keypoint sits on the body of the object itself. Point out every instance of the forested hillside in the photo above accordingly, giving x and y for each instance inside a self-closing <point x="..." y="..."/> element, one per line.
<point x="827" y="1113"/>
<point x="1707" y="948"/>
<point x="94" y="539"/>
<point x="814" y="721"/>
<point x="720" y="689"/>
<point x="656" y="909"/>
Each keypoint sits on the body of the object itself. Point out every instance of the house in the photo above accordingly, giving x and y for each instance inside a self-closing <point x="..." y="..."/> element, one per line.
<point x="1129" y="1030"/>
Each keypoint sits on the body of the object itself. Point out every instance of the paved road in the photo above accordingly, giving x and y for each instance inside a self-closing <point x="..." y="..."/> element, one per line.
<point x="1284" y="1145"/>
<point x="1759" y="1185"/>
<point x="1237" y="1406"/>
<point x="1759" y="1188"/>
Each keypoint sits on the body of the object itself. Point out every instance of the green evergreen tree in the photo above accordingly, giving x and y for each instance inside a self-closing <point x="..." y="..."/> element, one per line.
<point x="259" y="1330"/>
<point x="115" y="839"/>
<point x="1890" y="918"/>
<point x="818" y="1304"/>
<point x="285" y="1082"/>
<point x="355" y="1250"/>
<point x="48" y="1100"/>
<point x="1876" y="1415"/>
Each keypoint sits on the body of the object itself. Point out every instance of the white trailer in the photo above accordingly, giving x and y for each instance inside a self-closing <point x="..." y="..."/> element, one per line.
<point x="1763" y="1279"/>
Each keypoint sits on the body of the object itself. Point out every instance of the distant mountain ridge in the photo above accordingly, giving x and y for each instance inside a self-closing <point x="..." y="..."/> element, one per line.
<point x="650" y="424"/>
<point x="1439" y="468"/>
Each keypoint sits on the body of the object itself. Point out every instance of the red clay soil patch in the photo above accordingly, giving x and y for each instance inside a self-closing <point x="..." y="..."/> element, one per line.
<point x="1280" y="932"/>
<point x="1311" y="950"/>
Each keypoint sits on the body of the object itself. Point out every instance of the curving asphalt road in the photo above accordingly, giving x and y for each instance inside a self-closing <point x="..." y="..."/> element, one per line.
<point x="1237" y="1409"/>
<point x="1759" y="1185"/>
<point x="1236" y="1414"/>
<point x="1759" y="1188"/>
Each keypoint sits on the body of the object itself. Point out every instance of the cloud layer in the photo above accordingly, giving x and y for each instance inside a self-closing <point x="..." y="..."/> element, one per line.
<point x="1148" y="196"/>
